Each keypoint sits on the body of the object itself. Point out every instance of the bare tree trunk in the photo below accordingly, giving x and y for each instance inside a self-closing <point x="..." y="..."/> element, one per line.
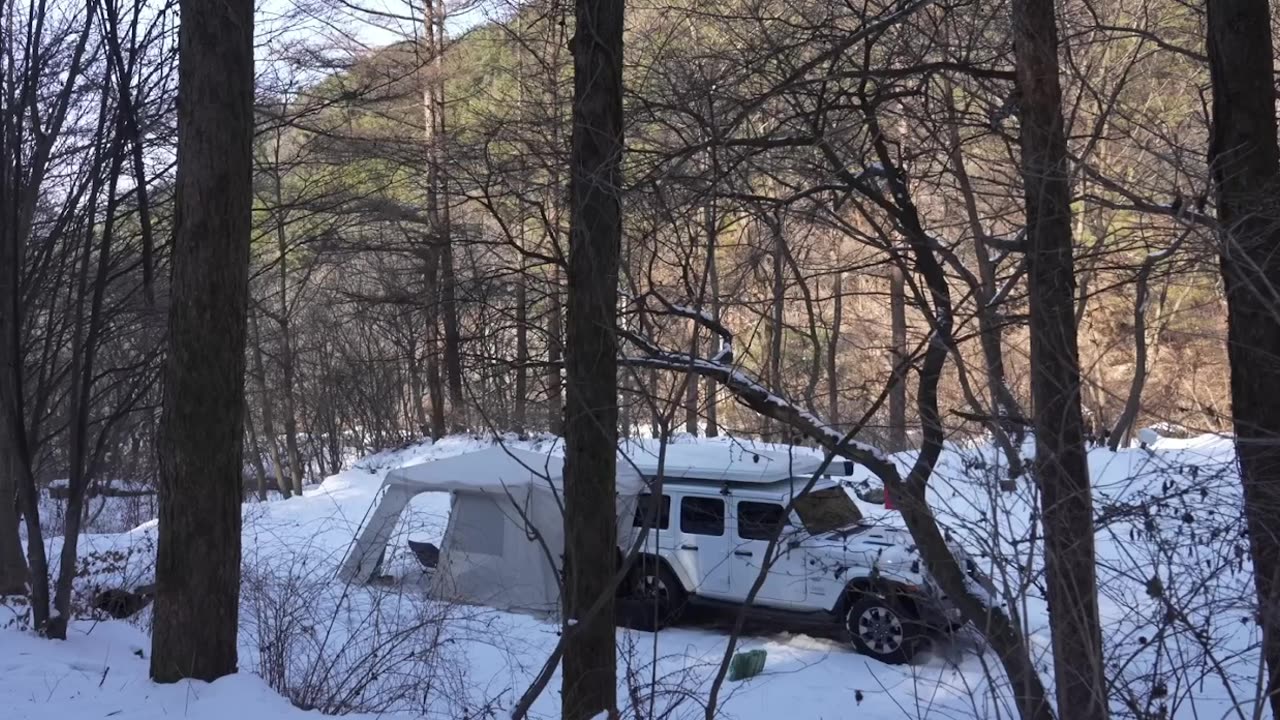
<point x="1061" y="465"/>
<point x="833" y="349"/>
<point x="433" y="254"/>
<point x="520" y="401"/>
<point x="1007" y="414"/>
<point x="268" y="414"/>
<point x="287" y="362"/>
<point x="439" y="204"/>
<point x="898" y="393"/>
<point x="1133" y="403"/>
<point x="1245" y="160"/>
<point x="778" y="293"/>
<point x="13" y="567"/>
<point x="84" y="355"/>
<point x="416" y="390"/>
<point x="435" y="382"/>
<point x="591" y="424"/>
<point x="555" y="352"/>
<point x="691" y="389"/>
<point x="197" y="601"/>
<point x="713" y="281"/>
<point x="260" y="473"/>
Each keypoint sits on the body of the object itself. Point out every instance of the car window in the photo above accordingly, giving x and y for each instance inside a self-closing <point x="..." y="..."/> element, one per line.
<point x="759" y="521"/>
<point x="702" y="516"/>
<point x="644" y="508"/>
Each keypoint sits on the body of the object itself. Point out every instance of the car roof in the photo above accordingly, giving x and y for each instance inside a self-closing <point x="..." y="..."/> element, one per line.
<point x="721" y="463"/>
<point x="778" y="488"/>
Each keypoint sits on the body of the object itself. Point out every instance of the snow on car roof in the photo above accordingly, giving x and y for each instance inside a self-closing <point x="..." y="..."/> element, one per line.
<point x="721" y="462"/>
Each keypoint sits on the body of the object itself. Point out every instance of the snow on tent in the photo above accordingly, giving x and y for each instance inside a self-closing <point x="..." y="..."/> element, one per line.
<point x="504" y="543"/>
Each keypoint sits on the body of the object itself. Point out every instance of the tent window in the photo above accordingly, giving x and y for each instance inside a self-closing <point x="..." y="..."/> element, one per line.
<point x="645" y="506"/>
<point x="702" y="516"/>
<point x="480" y="528"/>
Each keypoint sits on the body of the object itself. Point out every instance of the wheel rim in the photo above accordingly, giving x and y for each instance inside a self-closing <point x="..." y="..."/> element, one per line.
<point x="879" y="629"/>
<point x="653" y="588"/>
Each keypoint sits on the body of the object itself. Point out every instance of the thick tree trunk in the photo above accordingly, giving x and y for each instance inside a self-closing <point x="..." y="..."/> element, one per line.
<point x="1246" y="162"/>
<point x="591" y="361"/>
<point x="1061" y="465"/>
<point x="898" y="393"/>
<point x="202" y="426"/>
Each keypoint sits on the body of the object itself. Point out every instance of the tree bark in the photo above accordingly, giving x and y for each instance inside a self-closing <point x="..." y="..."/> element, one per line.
<point x="555" y="353"/>
<point x="777" y="300"/>
<point x="833" y="349"/>
<point x="713" y="281"/>
<point x="268" y="415"/>
<point x="255" y="448"/>
<point x="691" y="390"/>
<point x="1061" y="465"/>
<point x="202" y="424"/>
<point x="1006" y="413"/>
<point x="521" y="399"/>
<point x="438" y="209"/>
<point x="84" y="356"/>
<point x="591" y="361"/>
<point x="898" y="393"/>
<point x="13" y="567"/>
<point x="287" y="361"/>
<point x="1245" y="162"/>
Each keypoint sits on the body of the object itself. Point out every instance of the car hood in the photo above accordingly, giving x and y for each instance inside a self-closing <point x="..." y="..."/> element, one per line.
<point x="889" y="549"/>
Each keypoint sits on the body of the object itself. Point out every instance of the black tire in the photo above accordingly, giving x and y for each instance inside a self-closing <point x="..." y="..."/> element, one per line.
<point x="883" y="629"/>
<point x="654" y="600"/>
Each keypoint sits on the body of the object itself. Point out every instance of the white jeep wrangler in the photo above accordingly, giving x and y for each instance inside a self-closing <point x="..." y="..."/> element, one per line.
<point x="708" y="537"/>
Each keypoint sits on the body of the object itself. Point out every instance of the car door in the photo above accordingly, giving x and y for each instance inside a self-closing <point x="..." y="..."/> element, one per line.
<point x="756" y="523"/>
<point x="703" y="546"/>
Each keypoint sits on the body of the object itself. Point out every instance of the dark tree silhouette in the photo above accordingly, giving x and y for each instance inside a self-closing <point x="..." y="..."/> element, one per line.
<point x="198" y="553"/>
<point x="591" y="359"/>
<point x="1061" y="466"/>
<point x="1245" y="161"/>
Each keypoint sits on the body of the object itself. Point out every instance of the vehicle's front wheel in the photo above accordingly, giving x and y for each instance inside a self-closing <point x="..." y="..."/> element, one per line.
<point x="655" y="598"/>
<point x="882" y="629"/>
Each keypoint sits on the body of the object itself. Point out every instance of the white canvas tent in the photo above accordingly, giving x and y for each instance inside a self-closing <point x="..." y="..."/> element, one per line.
<point x="504" y="543"/>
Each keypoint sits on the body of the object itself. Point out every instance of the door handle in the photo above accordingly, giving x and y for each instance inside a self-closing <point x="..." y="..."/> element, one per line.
<point x="688" y="547"/>
<point x="742" y="553"/>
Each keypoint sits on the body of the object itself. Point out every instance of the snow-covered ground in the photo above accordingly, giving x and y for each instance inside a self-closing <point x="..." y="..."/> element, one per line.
<point x="1175" y="602"/>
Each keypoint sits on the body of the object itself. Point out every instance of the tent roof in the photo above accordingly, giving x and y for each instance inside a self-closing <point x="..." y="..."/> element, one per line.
<point x="721" y="462"/>
<point x="498" y="469"/>
<point x="501" y="469"/>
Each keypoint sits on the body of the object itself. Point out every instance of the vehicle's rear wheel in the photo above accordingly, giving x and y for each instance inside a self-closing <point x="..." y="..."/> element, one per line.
<point x="883" y="629"/>
<point x="654" y="599"/>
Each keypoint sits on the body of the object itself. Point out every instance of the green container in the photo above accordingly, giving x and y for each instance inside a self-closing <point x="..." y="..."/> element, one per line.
<point x="746" y="664"/>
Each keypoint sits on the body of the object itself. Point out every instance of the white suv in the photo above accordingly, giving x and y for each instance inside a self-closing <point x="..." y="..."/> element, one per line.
<point x="707" y="542"/>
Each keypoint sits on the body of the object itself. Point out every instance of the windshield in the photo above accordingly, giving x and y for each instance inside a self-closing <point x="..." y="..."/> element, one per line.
<point x="823" y="511"/>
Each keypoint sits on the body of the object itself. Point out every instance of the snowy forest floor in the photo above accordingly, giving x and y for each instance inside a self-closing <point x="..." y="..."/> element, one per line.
<point x="1174" y="579"/>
